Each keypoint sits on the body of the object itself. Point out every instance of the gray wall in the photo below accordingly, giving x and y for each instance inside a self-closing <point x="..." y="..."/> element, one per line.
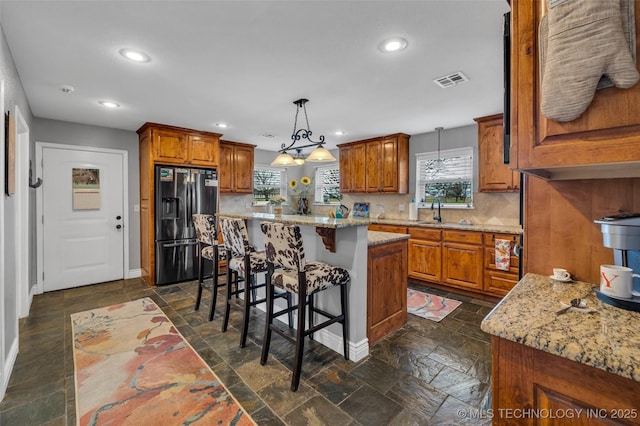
<point x="63" y="132"/>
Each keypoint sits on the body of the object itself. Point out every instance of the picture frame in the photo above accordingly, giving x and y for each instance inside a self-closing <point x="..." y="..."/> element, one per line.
<point x="10" y="154"/>
<point x="361" y="210"/>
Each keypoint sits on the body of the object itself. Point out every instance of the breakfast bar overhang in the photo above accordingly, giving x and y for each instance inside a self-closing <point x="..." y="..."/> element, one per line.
<point x="339" y="242"/>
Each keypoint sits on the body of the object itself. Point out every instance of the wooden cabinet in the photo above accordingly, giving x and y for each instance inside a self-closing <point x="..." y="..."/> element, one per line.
<point x="161" y="144"/>
<point x="352" y="168"/>
<point x="462" y="255"/>
<point x="236" y="167"/>
<point x="524" y="378"/>
<point x="494" y="175"/>
<point x="388" y="228"/>
<point x="378" y="165"/>
<point x="175" y="145"/>
<point x="386" y="289"/>
<point x="497" y="281"/>
<point x="425" y="254"/>
<point x="601" y="143"/>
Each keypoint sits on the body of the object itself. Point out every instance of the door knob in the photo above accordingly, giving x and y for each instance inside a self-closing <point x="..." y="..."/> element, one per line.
<point x="118" y="217"/>
<point x="118" y="226"/>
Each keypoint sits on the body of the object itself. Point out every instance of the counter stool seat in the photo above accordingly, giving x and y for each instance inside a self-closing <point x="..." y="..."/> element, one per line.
<point x="210" y="250"/>
<point x="284" y="249"/>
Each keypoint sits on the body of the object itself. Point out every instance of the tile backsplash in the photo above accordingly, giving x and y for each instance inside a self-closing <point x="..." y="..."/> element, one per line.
<point x="488" y="208"/>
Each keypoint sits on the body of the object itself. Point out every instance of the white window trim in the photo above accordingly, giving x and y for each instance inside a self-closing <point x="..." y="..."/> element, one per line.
<point x="315" y="175"/>
<point x="283" y="182"/>
<point x="433" y="155"/>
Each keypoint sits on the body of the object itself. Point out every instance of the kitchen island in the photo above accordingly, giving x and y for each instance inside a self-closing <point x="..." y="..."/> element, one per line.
<point x="582" y="363"/>
<point x="348" y="248"/>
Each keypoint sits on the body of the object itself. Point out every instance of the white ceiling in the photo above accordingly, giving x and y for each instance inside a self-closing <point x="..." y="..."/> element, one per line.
<point x="245" y="62"/>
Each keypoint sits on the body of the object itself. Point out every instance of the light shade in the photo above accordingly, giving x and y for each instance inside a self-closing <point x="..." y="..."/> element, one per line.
<point x="283" y="159"/>
<point x="320" y="155"/>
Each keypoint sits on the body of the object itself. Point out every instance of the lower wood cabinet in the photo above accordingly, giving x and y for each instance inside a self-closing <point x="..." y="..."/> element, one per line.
<point x="386" y="289"/>
<point x="527" y="380"/>
<point x="462" y="265"/>
<point x="425" y="254"/>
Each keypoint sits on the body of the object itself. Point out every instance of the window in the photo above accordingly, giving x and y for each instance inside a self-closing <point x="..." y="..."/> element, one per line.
<point x="267" y="182"/>
<point x="450" y="179"/>
<point x="327" y="190"/>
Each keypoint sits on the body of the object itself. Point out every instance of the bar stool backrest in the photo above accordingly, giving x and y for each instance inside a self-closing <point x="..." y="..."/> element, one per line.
<point x="205" y="225"/>
<point x="283" y="245"/>
<point x="235" y="236"/>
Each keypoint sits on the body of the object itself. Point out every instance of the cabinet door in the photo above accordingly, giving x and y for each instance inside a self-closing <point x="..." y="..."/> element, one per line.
<point x="386" y="289"/>
<point x="389" y="165"/>
<point x="243" y="169"/>
<point x="225" y="171"/>
<point x="373" y="172"/>
<point x="359" y="169"/>
<point x="462" y="265"/>
<point x="203" y="151"/>
<point x="346" y="172"/>
<point x="606" y="133"/>
<point x="425" y="260"/>
<point x="495" y="176"/>
<point x="170" y="147"/>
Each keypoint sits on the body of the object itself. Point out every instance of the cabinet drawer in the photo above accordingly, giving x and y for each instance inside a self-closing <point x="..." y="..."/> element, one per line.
<point x="469" y="237"/>
<point x="425" y="234"/>
<point x="388" y="228"/>
<point x="499" y="283"/>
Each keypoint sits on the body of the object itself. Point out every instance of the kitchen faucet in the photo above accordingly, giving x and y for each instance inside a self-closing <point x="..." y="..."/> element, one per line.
<point x="437" y="218"/>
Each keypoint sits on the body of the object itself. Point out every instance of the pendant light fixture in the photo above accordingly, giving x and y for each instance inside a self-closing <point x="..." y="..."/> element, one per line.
<point x="319" y="154"/>
<point x="439" y="166"/>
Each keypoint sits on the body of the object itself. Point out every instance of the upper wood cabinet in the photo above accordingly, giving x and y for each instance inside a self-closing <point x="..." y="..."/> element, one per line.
<point x="494" y="175"/>
<point x="236" y="167"/>
<point x="602" y="143"/>
<point x="378" y="165"/>
<point x="176" y="145"/>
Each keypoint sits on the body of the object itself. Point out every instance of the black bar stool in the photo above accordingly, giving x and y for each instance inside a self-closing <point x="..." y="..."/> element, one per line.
<point x="284" y="249"/>
<point x="209" y="250"/>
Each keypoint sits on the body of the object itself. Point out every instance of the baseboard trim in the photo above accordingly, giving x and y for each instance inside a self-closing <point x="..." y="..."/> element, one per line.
<point x="7" y="368"/>
<point x="357" y="350"/>
<point x="134" y="273"/>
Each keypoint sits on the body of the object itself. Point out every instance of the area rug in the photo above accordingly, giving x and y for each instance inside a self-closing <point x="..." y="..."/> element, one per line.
<point x="133" y="367"/>
<point x="429" y="306"/>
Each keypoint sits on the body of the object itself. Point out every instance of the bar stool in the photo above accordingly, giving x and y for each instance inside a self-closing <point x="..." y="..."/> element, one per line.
<point x="210" y="250"/>
<point x="244" y="262"/>
<point x="284" y="249"/>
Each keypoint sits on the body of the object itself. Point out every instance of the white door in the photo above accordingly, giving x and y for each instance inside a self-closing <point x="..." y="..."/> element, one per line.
<point x="83" y="224"/>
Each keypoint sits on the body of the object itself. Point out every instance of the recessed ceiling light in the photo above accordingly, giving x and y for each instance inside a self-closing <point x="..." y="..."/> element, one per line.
<point x="340" y="133"/>
<point x="109" y="104"/>
<point x="135" y="55"/>
<point x="393" y="44"/>
<point x="222" y="125"/>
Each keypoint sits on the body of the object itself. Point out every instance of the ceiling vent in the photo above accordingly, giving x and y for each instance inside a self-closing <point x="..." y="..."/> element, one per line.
<point x="451" y="80"/>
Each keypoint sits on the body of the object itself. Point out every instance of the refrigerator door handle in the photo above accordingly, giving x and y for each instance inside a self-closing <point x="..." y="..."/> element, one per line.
<point x="193" y="243"/>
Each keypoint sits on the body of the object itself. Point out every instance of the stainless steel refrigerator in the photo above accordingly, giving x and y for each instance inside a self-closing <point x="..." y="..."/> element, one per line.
<point x="179" y="193"/>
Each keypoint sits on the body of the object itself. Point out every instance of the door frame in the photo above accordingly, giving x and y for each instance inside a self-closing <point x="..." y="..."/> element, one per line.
<point x="40" y="146"/>
<point x="24" y="293"/>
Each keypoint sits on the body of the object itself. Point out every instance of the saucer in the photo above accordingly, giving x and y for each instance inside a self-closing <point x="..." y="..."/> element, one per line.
<point x="568" y="280"/>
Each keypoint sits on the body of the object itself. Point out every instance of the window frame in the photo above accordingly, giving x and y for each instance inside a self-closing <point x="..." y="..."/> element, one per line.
<point x="465" y="152"/>
<point x="282" y="186"/>
<point x="318" y="197"/>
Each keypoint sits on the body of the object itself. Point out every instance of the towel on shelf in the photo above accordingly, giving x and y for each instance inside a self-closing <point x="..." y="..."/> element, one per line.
<point x="503" y="254"/>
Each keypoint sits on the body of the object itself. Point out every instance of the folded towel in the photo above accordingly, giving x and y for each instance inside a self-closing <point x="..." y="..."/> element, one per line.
<point x="503" y="254"/>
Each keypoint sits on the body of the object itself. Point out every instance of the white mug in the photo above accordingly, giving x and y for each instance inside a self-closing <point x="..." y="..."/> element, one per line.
<point x="617" y="281"/>
<point x="561" y="274"/>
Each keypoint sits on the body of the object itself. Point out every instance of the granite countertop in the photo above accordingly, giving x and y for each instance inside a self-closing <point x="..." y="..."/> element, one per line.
<point x="504" y="229"/>
<point x="377" y="238"/>
<point x="607" y="338"/>
<point x="317" y="221"/>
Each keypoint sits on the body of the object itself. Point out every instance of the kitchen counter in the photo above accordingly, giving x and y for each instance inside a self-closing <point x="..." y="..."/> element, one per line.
<point x="505" y="229"/>
<point x="378" y="238"/>
<point x="606" y="339"/>
<point x="317" y="221"/>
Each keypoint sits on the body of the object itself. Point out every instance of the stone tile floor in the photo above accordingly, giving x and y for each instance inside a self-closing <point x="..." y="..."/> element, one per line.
<point x="422" y="374"/>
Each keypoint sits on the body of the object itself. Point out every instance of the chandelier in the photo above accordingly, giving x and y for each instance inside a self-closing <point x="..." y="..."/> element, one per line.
<point x="318" y="155"/>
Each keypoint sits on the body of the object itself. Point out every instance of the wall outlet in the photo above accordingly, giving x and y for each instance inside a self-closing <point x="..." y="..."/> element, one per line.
<point x="401" y="207"/>
<point x="136" y="207"/>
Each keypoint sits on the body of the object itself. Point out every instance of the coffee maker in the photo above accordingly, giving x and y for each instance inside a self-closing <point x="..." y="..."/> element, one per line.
<point x="622" y="233"/>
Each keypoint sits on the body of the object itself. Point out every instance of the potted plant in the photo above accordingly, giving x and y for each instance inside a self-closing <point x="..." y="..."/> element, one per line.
<point x="277" y="201"/>
<point x="303" y="192"/>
